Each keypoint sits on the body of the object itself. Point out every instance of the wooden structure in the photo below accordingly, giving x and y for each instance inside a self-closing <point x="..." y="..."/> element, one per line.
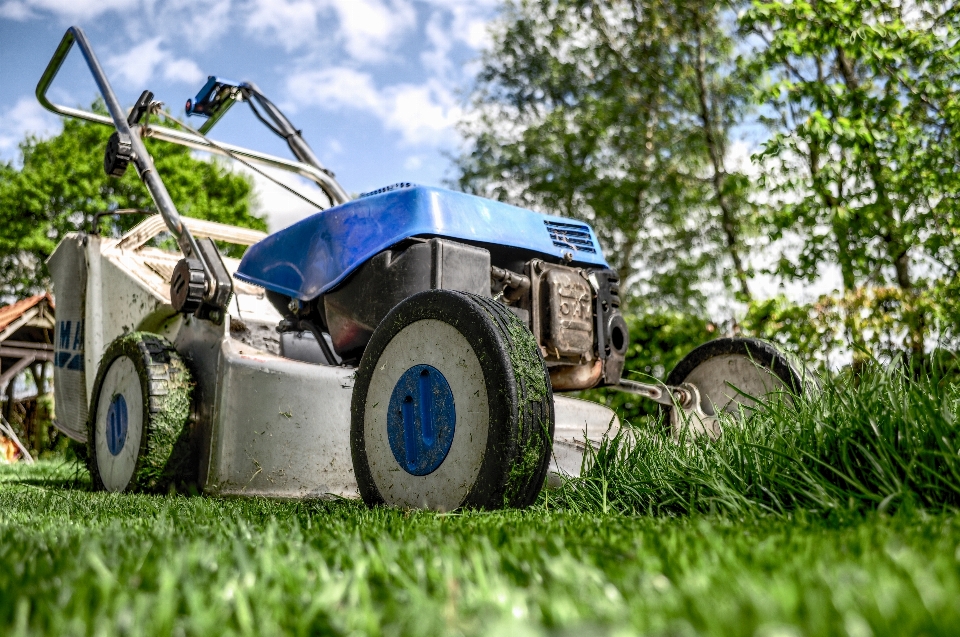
<point x="26" y="343"/>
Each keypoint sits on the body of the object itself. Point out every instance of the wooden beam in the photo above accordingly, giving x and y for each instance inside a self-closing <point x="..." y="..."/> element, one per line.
<point x="29" y="345"/>
<point x="154" y="225"/>
<point x="16" y="352"/>
<point x="17" y="367"/>
<point x="25" y="318"/>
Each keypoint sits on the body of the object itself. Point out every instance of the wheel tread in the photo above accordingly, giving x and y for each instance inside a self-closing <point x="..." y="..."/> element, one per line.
<point x="517" y="461"/>
<point x="166" y="457"/>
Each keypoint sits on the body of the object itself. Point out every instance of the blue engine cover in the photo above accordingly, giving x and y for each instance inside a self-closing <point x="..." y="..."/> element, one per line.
<point x="314" y="255"/>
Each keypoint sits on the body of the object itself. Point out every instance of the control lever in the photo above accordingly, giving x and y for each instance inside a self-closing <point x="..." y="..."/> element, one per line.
<point x="140" y="108"/>
<point x="685" y="401"/>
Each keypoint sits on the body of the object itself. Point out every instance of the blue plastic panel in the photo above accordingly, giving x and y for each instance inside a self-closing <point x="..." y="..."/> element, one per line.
<point x="314" y="255"/>
<point x="117" y="424"/>
<point x="421" y="420"/>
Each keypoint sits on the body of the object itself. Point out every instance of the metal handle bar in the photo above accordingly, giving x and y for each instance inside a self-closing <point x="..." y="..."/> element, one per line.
<point x="118" y="120"/>
<point x="328" y="184"/>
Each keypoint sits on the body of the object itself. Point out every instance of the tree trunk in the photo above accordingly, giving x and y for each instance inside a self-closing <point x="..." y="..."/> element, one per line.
<point x="896" y="245"/>
<point x="728" y="217"/>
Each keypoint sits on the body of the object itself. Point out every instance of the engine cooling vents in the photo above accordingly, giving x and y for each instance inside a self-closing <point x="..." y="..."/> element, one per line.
<point x="391" y="187"/>
<point x="572" y="236"/>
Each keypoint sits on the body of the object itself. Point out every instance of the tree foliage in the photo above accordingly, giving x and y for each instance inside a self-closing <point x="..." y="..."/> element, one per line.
<point x="864" y="154"/>
<point x="61" y="186"/>
<point x="619" y="113"/>
<point x="623" y="112"/>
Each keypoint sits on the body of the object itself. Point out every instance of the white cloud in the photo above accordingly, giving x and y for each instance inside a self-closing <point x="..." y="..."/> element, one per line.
<point x="292" y="23"/>
<point x="335" y="88"/>
<point x="422" y="114"/>
<point x="72" y="10"/>
<point x="368" y="29"/>
<point x="413" y="162"/>
<point x="182" y="70"/>
<point x="137" y="66"/>
<point x="437" y="58"/>
<point x="200" y="23"/>
<point x="24" y="117"/>
<point x="469" y="19"/>
<point x="15" y="11"/>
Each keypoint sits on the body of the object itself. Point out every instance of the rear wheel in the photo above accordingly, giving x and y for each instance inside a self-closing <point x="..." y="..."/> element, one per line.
<point x="452" y="407"/>
<point x="138" y="427"/>
<point x="732" y="374"/>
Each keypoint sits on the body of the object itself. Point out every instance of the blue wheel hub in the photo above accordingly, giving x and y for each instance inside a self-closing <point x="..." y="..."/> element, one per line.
<point x="421" y="420"/>
<point x="117" y="424"/>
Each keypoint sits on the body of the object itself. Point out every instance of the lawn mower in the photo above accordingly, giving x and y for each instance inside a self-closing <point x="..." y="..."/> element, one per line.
<point x="408" y="345"/>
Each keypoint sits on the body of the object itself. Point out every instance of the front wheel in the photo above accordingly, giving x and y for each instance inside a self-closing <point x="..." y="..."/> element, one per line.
<point x="452" y="407"/>
<point x="139" y="425"/>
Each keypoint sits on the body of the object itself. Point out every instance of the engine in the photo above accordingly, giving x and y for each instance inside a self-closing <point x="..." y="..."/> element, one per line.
<point x="572" y="311"/>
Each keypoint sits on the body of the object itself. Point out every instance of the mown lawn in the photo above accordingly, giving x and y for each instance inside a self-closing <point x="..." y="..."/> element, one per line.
<point x="835" y="515"/>
<point x="75" y="562"/>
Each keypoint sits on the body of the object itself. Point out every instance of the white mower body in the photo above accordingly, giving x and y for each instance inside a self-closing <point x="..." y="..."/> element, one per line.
<point x="268" y="425"/>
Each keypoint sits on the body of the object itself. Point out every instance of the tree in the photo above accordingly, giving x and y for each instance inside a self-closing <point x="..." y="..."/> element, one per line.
<point x="61" y="186"/>
<point x="619" y="113"/>
<point x="865" y="151"/>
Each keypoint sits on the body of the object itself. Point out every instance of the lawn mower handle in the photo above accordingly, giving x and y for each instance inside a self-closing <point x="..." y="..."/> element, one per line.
<point x="118" y="120"/>
<point x="319" y="176"/>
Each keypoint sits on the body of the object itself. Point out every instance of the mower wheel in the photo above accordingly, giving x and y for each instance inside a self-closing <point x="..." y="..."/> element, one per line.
<point x="452" y="407"/>
<point x="138" y="429"/>
<point x="731" y="374"/>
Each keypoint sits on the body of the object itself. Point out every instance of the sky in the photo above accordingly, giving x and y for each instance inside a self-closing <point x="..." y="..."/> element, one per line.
<point x="376" y="86"/>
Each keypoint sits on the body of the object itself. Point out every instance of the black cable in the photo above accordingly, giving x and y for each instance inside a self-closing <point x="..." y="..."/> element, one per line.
<point x="245" y="162"/>
<point x="269" y="125"/>
<point x="321" y="341"/>
<point x="274" y="112"/>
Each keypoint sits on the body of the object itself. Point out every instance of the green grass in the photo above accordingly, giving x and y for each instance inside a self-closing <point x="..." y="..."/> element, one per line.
<point x="880" y="442"/>
<point x="785" y="529"/>
<point x="75" y="562"/>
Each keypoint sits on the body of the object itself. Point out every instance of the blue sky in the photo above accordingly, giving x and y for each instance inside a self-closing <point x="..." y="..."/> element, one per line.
<point x="377" y="86"/>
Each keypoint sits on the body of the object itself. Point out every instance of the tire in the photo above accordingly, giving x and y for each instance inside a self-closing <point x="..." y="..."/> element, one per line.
<point x="139" y="427"/>
<point x="490" y="409"/>
<point x="729" y="371"/>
